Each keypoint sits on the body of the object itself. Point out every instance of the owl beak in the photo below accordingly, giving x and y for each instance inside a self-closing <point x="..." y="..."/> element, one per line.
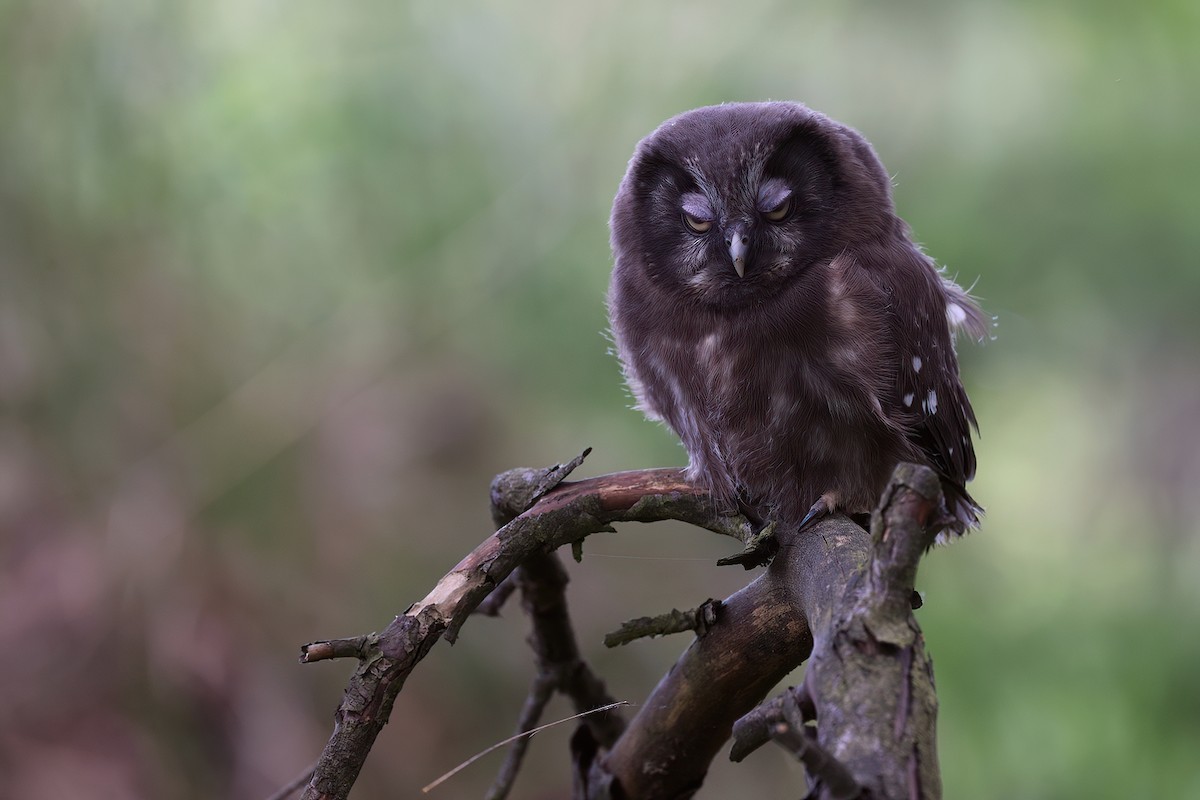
<point x="738" y="243"/>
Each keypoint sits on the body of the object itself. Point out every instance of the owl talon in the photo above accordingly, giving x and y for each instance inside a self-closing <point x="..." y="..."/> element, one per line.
<point x="820" y="509"/>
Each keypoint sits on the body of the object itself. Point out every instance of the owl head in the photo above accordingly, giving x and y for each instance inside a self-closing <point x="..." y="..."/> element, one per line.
<point x="727" y="204"/>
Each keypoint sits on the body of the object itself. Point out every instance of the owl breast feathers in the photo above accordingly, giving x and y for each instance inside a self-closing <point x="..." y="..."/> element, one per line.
<point x="770" y="307"/>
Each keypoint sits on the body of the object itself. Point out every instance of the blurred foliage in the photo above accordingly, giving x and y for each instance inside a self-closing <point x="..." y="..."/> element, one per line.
<point x="283" y="285"/>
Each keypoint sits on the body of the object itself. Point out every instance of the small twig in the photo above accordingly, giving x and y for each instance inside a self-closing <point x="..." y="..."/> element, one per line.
<point x="355" y="647"/>
<point x="535" y="703"/>
<point x="819" y="762"/>
<point x="500" y="744"/>
<point x="759" y="550"/>
<point x="782" y="719"/>
<point x="556" y="475"/>
<point x="543" y="583"/>
<point x="674" y="621"/>
<point x="754" y="729"/>
<point x="295" y="785"/>
<point x="519" y="489"/>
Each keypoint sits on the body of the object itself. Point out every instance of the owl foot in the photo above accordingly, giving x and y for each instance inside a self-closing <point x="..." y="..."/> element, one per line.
<point x="758" y="552"/>
<point x="822" y="508"/>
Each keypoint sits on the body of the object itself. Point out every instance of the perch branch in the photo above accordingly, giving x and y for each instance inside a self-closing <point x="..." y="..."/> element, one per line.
<point x="870" y="678"/>
<point x="759" y="636"/>
<point x="869" y="683"/>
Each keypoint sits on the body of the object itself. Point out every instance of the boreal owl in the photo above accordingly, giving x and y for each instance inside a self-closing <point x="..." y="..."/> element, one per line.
<point x="769" y="305"/>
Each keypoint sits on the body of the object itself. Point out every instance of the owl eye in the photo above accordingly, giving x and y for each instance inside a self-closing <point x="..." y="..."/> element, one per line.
<point x="695" y="224"/>
<point x="779" y="213"/>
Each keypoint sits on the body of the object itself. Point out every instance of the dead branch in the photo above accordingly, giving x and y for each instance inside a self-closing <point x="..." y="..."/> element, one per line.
<point x="783" y="719"/>
<point x="531" y="713"/>
<point x="564" y="514"/>
<point x="870" y="679"/>
<point x="829" y="584"/>
<point x="355" y="647"/>
<point x="697" y="620"/>
<point x="543" y="581"/>
<point x="760" y="635"/>
<point x="869" y="683"/>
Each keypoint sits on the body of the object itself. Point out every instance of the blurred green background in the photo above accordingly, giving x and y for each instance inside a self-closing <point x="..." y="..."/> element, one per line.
<point x="282" y="285"/>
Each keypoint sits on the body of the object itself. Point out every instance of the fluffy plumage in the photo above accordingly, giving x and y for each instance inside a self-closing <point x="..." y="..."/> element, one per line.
<point x="771" y="308"/>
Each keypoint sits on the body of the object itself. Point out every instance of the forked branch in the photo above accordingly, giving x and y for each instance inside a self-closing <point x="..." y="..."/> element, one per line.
<point x="815" y="588"/>
<point x="561" y="514"/>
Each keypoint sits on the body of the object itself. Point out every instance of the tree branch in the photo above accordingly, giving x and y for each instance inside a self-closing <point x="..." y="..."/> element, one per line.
<point x="697" y="620"/>
<point x="870" y="678"/>
<point x="535" y="703"/>
<point x="355" y="647"/>
<point x="759" y="636"/>
<point x="869" y="683"/>
<point x="827" y="583"/>
<point x="560" y="667"/>
<point x="562" y="513"/>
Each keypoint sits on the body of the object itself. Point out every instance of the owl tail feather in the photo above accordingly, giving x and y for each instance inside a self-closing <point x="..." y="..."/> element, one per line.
<point x="962" y="512"/>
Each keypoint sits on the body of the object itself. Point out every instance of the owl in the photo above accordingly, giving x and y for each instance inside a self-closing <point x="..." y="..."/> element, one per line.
<point x="770" y="307"/>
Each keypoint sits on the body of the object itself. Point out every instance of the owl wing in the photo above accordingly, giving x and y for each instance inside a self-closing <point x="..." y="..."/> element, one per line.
<point x="925" y="309"/>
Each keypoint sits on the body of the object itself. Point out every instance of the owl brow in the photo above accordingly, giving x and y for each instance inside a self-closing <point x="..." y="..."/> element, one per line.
<point x="692" y="166"/>
<point x="753" y="162"/>
<point x="750" y="164"/>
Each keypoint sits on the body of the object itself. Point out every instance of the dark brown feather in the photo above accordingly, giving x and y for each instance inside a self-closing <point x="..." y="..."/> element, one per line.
<point x="831" y="358"/>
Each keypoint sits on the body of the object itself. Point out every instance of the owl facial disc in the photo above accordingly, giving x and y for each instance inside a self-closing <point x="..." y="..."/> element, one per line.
<point x="738" y="243"/>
